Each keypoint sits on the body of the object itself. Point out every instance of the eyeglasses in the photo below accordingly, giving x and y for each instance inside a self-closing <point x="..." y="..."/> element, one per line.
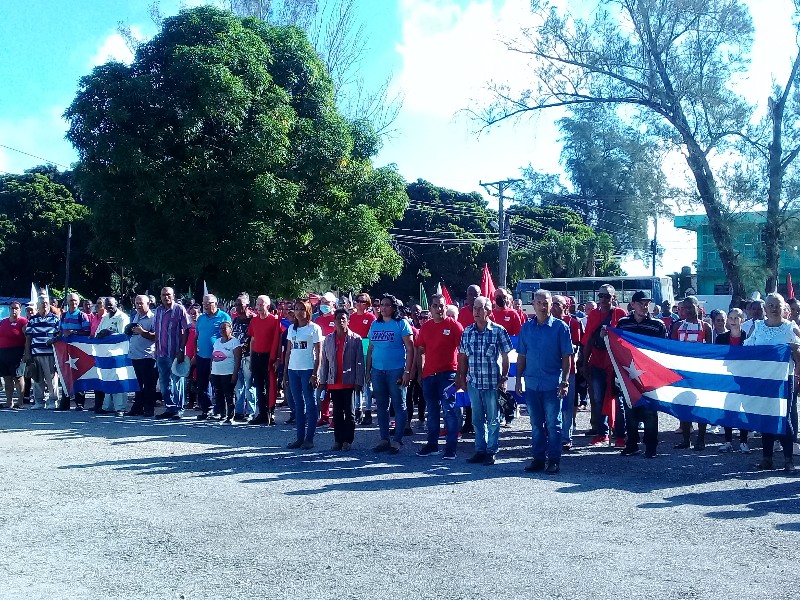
<point x="362" y="301"/>
<point x="604" y="296"/>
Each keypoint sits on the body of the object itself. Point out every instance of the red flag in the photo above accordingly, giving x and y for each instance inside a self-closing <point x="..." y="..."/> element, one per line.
<point x="789" y="286"/>
<point x="487" y="285"/>
<point x="446" y="294"/>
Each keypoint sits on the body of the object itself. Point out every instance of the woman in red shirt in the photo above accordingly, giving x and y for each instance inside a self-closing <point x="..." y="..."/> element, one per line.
<point x="12" y="345"/>
<point x="733" y="337"/>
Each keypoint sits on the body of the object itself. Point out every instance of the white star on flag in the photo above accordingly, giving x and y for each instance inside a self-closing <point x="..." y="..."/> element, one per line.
<point x="633" y="372"/>
<point x="72" y="362"/>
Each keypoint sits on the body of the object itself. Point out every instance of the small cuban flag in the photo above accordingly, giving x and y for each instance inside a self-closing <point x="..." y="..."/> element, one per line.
<point x="462" y="398"/>
<point x="745" y="387"/>
<point x="95" y="364"/>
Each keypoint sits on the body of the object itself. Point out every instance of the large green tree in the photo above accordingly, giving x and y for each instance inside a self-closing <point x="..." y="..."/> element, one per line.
<point x="219" y="154"/>
<point x="35" y="212"/>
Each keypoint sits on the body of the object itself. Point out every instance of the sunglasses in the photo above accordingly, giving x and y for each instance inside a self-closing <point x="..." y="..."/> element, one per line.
<point x="361" y="302"/>
<point x="604" y="296"/>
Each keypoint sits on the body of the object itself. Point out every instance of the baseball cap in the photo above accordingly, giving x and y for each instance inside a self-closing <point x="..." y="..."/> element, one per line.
<point x="329" y="296"/>
<point x="640" y="296"/>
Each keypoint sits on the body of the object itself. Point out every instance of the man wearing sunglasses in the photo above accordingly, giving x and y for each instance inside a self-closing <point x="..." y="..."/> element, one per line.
<point x="597" y="366"/>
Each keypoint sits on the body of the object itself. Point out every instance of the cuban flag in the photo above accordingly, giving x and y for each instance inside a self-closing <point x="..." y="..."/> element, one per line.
<point x="95" y="364"/>
<point x="462" y="398"/>
<point x="734" y="386"/>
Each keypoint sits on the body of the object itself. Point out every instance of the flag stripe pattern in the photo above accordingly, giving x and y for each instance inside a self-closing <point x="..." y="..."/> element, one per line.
<point x="734" y="386"/>
<point x="462" y="398"/>
<point x="95" y="364"/>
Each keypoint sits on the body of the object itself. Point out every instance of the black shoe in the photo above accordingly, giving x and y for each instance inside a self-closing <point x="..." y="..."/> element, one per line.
<point x="202" y="416"/>
<point x="428" y="450"/>
<point x="134" y="413"/>
<point x="291" y="421"/>
<point x="650" y="453"/>
<point x="682" y="446"/>
<point x="102" y="411"/>
<point x="294" y="445"/>
<point x="261" y="419"/>
<point x="366" y="419"/>
<point x="148" y="414"/>
<point x="535" y="466"/>
<point x="489" y="460"/>
<point x="226" y="421"/>
<point x="552" y="468"/>
<point x="476" y="458"/>
<point x="630" y="450"/>
<point x="699" y="446"/>
<point x="408" y="431"/>
<point x="467" y="430"/>
<point x="79" y="407"/>
<point x="166" y="415"/>
<point x="239" y="418"/>
<point x="61" y="408"/>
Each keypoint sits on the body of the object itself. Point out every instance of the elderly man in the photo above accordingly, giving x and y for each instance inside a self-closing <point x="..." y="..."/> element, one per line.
<point x="569" y="402"/>
<point x="520" y="311"/>
<point x="171" y="327"/>
<point x="142" y="355"/>
<point x="544" y="358"/>
<point x="114" y="322"/>
<point x="265" y="339"/>
<point x="74" y="321"/>
<point x="207" y="333"/>
<point x="41" y="330"/>
<point x="482" y="344"/>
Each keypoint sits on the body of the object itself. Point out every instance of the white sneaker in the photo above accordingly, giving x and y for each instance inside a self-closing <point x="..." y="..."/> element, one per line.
<point x="743" y="447"/>
<point x="726" y="447"/>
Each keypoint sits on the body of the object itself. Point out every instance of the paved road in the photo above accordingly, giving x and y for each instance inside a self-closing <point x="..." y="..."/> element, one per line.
<point x="103" y="507"/>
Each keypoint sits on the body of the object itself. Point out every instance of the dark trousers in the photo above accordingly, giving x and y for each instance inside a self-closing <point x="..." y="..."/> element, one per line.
<point x="729" y="435"/>
<point x="259" y="365"/>
<point x="414" y="395"/>
<point x="647" y="416"/>
<point x="99" y="398"/>
<point x="203" y="370"/>
<point x="144" y="401"/>
<point x="344" y="423"/>
<point x="223" y="395"/>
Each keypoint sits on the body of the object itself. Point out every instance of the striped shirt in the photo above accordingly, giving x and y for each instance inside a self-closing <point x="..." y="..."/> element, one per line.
<point x="483" y="349"/>
<point x="41" y="330"/>
<point x="77" y="322"/>
<point x="169" y="326"/>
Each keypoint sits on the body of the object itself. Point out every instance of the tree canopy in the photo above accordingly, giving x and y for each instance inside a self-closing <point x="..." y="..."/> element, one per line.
<point x="219" y="154"/>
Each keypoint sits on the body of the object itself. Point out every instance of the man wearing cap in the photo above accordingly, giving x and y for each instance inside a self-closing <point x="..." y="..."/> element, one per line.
<point x="171" y="324"/>
<point x="264" y="341"/>
<point x="326" y="322"/>
<point x="642" y="322"/>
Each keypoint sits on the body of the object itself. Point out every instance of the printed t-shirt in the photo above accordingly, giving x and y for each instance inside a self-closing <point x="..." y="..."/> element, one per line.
<point x="326" y="323"/>
<point x="508" y="318"/>
<point x="265" y="335"/>
<point x="208" y="332"/>
<point x="302" y="341"/>
<point x="388" y="349"/>
<point x="441" y="341"/>
<point x="223" y="359"/>
<point x="11" y="335"/>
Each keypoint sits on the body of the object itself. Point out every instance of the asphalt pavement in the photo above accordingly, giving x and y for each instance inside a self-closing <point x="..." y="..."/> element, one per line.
<point x="109" y="507"/>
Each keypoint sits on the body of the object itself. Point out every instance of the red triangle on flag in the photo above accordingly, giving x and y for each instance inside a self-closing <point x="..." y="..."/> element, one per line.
<point x="639" y="372"/>
<point x="73" y="363"/>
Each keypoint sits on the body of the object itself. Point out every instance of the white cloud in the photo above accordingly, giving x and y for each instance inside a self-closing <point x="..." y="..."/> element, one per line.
<point x="450" y="52"/>
<point x="114" y="47"/>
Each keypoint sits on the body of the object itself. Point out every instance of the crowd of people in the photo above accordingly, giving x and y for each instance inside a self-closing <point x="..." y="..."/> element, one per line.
<point x="337" y="361"/>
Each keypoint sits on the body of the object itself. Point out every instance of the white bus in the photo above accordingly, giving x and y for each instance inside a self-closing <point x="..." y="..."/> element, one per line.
<point x="586" y="288"/>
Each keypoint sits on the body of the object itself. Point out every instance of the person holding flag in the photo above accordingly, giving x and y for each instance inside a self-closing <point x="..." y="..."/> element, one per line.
<point x="642" y="322"/>
<point x="546" y="341"/>
<point x="114" y="322"/>
<point x="74" y="321"/>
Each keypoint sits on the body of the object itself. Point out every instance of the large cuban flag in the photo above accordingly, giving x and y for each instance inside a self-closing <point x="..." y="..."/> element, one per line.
<point x="733" y="386"/>
<point x="99" y="364"/>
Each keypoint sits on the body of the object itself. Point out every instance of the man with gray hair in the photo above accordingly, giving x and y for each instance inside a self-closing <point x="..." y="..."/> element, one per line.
<point x="74" y="322"/>
<point x="265" y="340"/>
<point x="114" y="321"/>
<point x="142" y="354"/>
<point x="482" y="344"/>
<point x="171" y="328"/>
<point x="207" y="333"/>
<point x="41" y="330"/>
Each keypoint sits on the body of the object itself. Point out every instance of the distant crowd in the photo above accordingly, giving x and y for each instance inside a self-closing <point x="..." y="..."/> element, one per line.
<point x="338" y="361"/>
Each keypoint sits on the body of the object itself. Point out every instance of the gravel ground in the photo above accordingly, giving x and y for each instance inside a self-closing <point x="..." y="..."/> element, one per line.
<point x="107" y="507"/>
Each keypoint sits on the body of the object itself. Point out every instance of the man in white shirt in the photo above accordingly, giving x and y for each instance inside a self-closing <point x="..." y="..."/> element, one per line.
<point x="113" y="322"/>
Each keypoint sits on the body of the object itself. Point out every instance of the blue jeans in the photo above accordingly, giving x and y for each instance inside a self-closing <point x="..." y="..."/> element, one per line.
<point x="245" y="392"/>
<point x="171" y="386"/>
<point x="567" y="411"/>
<point x="437" y="402"/>
<point x="485" y="419"/>
<point x="305" y="404"/>
<point x="202" y="367"/>
<point x="544" y="409"/>
<point x="599" y="420"/>
<point x="385" y="389"/>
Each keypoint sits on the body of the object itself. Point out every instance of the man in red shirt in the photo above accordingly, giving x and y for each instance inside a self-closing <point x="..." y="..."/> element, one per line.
<point x="465" y="314"/>
<point x="360" y="322"/>
<point x="326" y="322"/>
<point x="437" y="345"/>
<point x="599" y="371"/>
<point x="518" y="307"/>
<point x="503" y="315"/>
<point x="264" y="332"/>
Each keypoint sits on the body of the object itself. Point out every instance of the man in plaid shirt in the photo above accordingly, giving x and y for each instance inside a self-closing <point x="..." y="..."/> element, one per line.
<point x="481" y="345"/>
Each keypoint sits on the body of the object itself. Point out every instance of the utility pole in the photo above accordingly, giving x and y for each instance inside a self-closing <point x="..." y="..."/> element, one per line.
<point x="498" y="189"/>
<point x="654" y="243"/>
<point x="69" y="243"/>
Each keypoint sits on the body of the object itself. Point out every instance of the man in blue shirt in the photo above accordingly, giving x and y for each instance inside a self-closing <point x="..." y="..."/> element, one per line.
<point x="207" y="333"/>
<point x="546" y="341"/>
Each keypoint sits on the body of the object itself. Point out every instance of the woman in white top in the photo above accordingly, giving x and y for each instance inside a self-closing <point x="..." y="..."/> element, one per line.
<point x="303" y="341"/>
<point x="769" y="332"/>
<point x="225" y="360"/>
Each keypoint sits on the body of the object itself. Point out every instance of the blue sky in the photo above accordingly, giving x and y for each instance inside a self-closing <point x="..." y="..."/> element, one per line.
<point x="441" y="53"/>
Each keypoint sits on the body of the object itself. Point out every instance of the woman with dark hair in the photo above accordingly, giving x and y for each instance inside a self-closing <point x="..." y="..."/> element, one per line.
<point x="304" y="339"/>
<point x="734" y="336"/>
<point x="341" y="373"/>
<point x="12" y="347"/>
<point x="389" y="359"/>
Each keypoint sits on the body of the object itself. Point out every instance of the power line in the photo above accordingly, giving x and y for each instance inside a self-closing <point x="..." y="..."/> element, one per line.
<point x="441" y="232"/>
<point x="33" y="156"/>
